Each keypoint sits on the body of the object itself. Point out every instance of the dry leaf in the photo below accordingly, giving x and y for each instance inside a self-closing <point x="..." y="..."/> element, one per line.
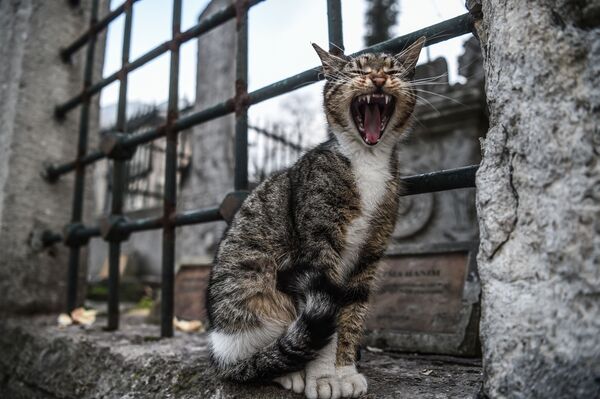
<point x="188" y="326"/>
<point x="64" y="320"/>
<point x="374" y="350"/>
<point x="83" y="316"/>
<point x="426" y="372"/>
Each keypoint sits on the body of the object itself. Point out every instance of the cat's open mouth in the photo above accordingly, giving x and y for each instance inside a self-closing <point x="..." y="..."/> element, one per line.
<point x="371" y="114"/>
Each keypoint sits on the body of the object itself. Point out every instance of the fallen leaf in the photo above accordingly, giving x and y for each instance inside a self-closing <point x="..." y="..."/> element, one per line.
<point x="64" y="320"/>
<point x="83" y="316"/>
<point x="426" y="372"/>
<point x="374" y="350"/>
<point x="188" y="326"/>
<point x="138" y="312"/>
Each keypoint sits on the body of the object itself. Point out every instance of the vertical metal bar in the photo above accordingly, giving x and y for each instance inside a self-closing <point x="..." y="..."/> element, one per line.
<point x="78" y="191"/>
<point x="334" y="24"/>
<point x="118" y="180"/>
<point x="170" y="193"/>
<point x="241" y="98"/>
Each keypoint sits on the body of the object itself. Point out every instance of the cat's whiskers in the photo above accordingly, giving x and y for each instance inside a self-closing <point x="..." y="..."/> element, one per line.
<point x="441" y="95"/>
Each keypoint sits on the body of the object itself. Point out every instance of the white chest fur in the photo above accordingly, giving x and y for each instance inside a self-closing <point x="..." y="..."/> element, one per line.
<point x="371" y="172"/>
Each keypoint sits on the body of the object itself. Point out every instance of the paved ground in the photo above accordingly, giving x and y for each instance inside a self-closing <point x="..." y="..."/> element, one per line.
<point x="39" y="359"/>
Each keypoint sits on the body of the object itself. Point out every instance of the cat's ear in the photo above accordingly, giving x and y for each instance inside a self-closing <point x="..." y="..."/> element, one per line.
<point x="410" y="55"/>
<point x="331" y="63"/>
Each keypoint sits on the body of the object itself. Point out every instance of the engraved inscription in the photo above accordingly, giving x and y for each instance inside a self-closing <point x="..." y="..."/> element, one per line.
<point x="419" y="293"/>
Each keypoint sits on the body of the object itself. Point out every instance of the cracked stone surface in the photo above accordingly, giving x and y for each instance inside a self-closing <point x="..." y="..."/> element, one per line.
<point x="539" y="199"/>
<point x="42" y="360"/>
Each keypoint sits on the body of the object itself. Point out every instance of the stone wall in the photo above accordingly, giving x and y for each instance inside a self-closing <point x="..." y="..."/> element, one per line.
<point x="539" y="199"/>
<point x="32" y="80"/>
<point x="211" y="172"/>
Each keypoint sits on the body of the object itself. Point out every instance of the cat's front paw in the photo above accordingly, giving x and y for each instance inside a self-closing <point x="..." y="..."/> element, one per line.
<point x="322" y="385"/>
<point x="292" y="381"/>
<point x="352" y="383"/>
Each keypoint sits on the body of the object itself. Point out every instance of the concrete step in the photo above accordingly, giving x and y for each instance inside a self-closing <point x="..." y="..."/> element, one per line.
<point x="39" y="359"/>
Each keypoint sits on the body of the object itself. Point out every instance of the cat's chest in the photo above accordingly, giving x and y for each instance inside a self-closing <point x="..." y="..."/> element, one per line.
<point x="371" y="179"/>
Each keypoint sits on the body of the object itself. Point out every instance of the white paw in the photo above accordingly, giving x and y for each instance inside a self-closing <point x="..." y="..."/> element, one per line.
<point x="292" y="381"/>
<point x="322" y="387"/>
<point x="352" y="383"/>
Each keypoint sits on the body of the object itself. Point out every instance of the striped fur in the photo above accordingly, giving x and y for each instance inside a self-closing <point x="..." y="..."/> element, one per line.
<point x="292" y="275"/>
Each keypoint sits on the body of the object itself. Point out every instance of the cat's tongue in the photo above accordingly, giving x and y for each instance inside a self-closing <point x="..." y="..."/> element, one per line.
<point x="372" y="124"/>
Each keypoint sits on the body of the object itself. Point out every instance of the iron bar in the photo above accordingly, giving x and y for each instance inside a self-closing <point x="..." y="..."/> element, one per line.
<point x="170" y="193"/>
<point x="241" y="98"/>
<point x="283" y="86"/>
<point x="334" y="26"/>
<point x="118" y="181"/>
<point x="94" y="29"/>
<point x="450" y="179"/>
<point x="77" y="207"/>
<point x="205" y="26"/>
<point x="440" y="181"/>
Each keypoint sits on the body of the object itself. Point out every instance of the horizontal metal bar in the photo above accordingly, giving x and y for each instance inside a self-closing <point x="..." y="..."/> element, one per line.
<point x="443" y="180"/>
<point x="439" y="32"/>
<point x="446" y="30"/>
<point x="205" y="26"/>
<point x="94" y="29"/>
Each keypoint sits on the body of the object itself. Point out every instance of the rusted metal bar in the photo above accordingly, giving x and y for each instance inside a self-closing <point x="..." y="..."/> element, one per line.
<point x="442" y="180"/>
<point x="170" y="193"/>
<point x="439" y="32"/>
<point x="335" y="27"/>
<point x="205" y="26"/>
<point x="450" y="179"/>
<point x="241" y="98"/>
<point x="118" y="182"/>
<point x="94" y="29"/>
<point x="78" y="191"/>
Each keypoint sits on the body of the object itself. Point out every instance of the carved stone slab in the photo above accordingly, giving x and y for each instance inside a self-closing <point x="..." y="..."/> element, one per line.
<point x="428" y="300"/>
<point x="420" y="293"/>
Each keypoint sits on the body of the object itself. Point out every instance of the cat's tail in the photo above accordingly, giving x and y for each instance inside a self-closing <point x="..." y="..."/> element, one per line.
<point x="299" y="343"/>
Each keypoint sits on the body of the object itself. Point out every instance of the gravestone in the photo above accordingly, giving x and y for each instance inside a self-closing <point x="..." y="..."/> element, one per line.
<point x="427" y="301"/>
<point x="191" y="283"/>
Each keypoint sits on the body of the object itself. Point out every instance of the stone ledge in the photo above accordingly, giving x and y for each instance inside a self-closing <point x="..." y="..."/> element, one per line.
<point x="42" y="360"/>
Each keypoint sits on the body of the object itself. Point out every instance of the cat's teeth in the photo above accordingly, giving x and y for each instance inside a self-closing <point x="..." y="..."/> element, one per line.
<point x="387" y="99"/>
<point x="368" y="99"/>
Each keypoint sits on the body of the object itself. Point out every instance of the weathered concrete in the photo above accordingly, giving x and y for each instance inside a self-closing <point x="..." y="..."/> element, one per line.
<point x="539" y="199"/>
<point x="41" y="360"/>
<point x="32" y="80"/>
<point x="211" y="174"/>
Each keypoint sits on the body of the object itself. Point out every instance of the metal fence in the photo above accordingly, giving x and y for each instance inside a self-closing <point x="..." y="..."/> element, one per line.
<point x="119" y="146"/>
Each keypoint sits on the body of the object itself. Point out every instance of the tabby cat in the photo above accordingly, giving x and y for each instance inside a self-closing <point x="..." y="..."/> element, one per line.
<point x="292" y="276"/>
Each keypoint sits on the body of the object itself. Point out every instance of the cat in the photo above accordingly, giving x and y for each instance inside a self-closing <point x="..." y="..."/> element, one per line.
<point x="289" y="287"/>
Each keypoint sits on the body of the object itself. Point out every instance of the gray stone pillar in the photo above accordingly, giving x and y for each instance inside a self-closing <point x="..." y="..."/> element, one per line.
<point x="32" y="80"/>
<point x="538" y="199"/>
<point x="213" y="159"/>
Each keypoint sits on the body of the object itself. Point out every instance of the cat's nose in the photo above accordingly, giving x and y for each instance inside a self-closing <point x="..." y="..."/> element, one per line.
<point x="378" y="81"/>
